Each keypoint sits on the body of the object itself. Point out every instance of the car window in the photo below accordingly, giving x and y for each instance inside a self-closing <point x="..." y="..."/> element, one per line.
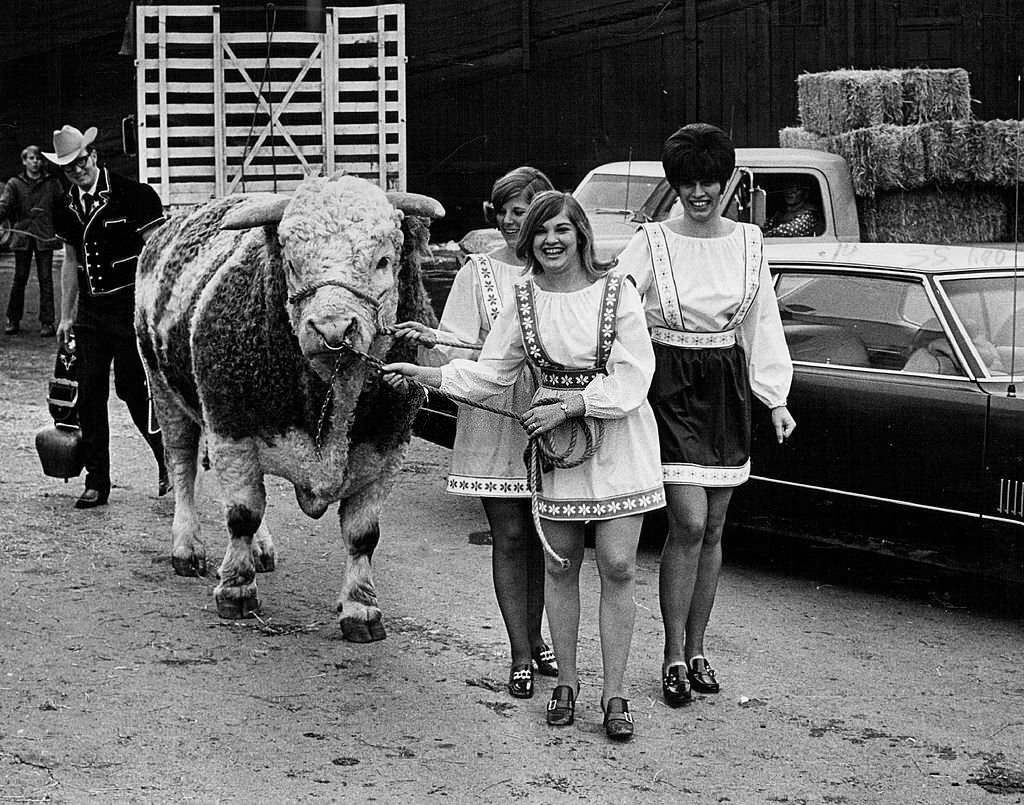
<point x="793" y="204"/>
<point x="990" y="311"/>
<point x="615" y="192"/>
<point x="863" y="321"/>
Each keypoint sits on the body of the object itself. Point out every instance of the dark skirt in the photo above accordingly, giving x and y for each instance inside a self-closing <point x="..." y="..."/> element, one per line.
<point x="701" y="401"/>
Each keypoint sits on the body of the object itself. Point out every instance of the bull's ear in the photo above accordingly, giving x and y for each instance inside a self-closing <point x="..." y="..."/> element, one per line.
<point x="416" y="204"/>
<point x="258" y="209"/>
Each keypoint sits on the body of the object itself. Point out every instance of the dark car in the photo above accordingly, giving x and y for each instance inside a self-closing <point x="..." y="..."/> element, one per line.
<point x="910" y="433"/>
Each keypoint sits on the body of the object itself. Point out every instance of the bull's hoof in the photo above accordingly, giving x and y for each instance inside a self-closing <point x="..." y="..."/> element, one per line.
<point x="264" y="562"/>
<point x="360" y="631"/>
<point x="192" y="565"/>
<point x="236" y="603"/>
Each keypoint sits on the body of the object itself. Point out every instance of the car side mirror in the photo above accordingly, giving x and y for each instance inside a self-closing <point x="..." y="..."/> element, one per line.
<point x="129" y="140"/>
<point x="758" y="206"/>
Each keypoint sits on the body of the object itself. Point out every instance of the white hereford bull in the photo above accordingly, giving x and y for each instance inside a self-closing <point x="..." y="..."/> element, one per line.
<point x="241" y="310"/>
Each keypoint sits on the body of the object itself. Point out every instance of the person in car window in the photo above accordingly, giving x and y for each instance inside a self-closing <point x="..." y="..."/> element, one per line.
<point x="487" y="457"/>
<point x="718" y="338"/>
<point x="798" y="217"/>
<point x="580" y="328"/>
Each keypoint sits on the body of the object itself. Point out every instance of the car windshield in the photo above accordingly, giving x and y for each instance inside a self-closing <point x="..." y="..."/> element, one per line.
<point x="616" y="193"/>
<point x="991" y="310"/>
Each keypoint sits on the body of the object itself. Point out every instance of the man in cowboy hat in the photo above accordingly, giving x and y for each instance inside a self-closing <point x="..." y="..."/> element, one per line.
<point x="104" y="220"/>
<point x="28" y="202"/>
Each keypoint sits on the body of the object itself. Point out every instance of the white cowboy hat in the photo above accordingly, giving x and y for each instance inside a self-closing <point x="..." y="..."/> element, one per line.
<point x="69" y="144"/>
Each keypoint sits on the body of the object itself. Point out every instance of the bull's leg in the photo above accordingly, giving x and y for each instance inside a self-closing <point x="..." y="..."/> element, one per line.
<point x="263" y="555"/>
<point x="181" y="448"/>
<point x="245" y="497"/>
<point x="360" y="616"/>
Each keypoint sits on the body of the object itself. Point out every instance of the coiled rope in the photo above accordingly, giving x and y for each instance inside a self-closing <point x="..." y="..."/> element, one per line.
<point x="541" y="451"/>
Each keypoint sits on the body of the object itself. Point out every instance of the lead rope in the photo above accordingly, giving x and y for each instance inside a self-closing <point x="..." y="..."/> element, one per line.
<point x="541" y="449"/>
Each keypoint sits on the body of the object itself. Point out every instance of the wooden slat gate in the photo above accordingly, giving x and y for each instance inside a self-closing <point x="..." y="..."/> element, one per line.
<point x="222" y="112"/>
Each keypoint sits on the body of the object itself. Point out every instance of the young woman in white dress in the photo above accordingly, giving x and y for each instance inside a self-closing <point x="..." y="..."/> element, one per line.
<point x="714" y="320"/>
<point x="580" y="329"/>
<point x="487" y="457"/>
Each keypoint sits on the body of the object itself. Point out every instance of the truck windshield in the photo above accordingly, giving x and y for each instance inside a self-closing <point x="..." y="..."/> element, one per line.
<point x="615" y="193"/>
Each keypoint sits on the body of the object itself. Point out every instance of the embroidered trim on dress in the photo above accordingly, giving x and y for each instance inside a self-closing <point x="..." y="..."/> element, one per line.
<point x="753" y="247"/>
<point x="565" y="376"/>
<point x="697" y="475"/>
<point x="668" y="295"/>
<point x="686" y="338"/>
<point x="604" y="509"/>
<point x="487" y="487"/>
<point x="488" y="285"/>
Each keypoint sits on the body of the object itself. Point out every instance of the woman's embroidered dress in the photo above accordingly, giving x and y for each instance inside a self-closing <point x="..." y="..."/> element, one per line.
<point x="717" y="334"/>
<point x="592" y="342"/>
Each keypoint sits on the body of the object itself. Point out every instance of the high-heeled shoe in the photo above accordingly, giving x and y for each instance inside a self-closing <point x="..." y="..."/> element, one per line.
<point x="675" y="686"/>
<point x="544" y="659"/>
<point x="520" y="681"/>
<point x="702" y="675"/>
<point x="618" y="721"/>
<point x="562" y="707"/>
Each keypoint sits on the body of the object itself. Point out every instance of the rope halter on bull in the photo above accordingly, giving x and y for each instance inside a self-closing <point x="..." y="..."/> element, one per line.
<point x="542" y="451"/>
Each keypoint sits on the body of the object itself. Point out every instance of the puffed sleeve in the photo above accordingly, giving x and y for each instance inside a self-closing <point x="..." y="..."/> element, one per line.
<point x="761" y="336"/>
<point x="463" y="318"/>
<point x="635" y="261"/>
<point x="630" y="363"/>
<point x="498" y="367"/>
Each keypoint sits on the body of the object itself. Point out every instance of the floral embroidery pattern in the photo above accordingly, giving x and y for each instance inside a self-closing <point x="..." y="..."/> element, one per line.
<point x="605" y="509"/>
<point x="488" y="285"/>
<point x="705" y="476"/>
<point x="552" y="374"/>
<point x="685" y="338"/>
<point x="487" y="487"/>
<point x="669" y="298"/>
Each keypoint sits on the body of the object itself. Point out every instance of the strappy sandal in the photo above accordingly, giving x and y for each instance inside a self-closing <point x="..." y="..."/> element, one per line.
<point x="562" y="707"/>
<point x="702" y="675"/>
<point x="544" y="659"/>
<point x="520" y="681"/>
<point x="618" y="721"/>
<point x="675" y="687"/>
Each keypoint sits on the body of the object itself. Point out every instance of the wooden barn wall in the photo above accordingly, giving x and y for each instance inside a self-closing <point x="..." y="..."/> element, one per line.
<point x="561" y="84"/>
<point x="567" y="85"/>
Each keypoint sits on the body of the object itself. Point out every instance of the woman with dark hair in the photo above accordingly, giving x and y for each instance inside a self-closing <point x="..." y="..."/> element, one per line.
<point x="718" y="338"/>
<point x="487" y="457"/>
<point x="580" y="329"/>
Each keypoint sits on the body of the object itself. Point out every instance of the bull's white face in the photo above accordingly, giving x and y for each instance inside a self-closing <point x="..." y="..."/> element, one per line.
<point x="341" y="247"/>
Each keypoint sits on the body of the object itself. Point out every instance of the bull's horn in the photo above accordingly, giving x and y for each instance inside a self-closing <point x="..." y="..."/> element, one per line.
<point x="416" y="204"/>
<point x="258" y="209"/>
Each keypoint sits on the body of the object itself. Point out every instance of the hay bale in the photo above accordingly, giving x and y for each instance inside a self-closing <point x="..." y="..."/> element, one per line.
<point x="841" y="100"/>
<point x="934" y="95"/>
<point x="883" y="158"/>
<point x="797" y="137"/>
<point x="997" y="152"/>
<point x="934" y="215"/>
<point x="950" y="149"/>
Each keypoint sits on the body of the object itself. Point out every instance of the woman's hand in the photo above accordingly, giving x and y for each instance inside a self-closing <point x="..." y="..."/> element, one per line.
<point x="783" y="423"/>
<point x="395" y="374"/>
<point x="416" y="332"/>
<point x="542" y="418"/>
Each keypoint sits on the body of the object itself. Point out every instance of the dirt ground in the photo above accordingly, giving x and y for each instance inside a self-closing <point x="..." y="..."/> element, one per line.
<point x="119" y="682"/>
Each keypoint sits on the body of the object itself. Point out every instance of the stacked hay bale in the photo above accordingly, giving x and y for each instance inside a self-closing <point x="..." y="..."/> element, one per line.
<point x="923" y="168"/>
